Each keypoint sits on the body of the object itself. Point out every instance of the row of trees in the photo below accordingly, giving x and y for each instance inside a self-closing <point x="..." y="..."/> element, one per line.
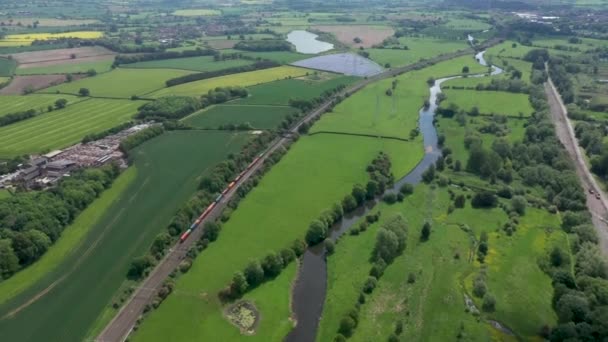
<point x="380" y="179"/>
<point x="30" y="222"/>
<point x="264" y="45"/>
<point x="140" y="137"/>
<point x="390" y="242"/>
<point x="96" y="136"/>
<point x="30" y="113"/>
<point x="580" y="299"/>
<point x="135" y="58"/>
<point x="260" y="271"/>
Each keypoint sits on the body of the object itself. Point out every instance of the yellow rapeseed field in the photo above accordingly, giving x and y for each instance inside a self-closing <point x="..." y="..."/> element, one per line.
<point x="28" y="38"/>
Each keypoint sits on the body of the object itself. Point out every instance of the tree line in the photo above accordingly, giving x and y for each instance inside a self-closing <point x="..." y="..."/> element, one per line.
<point x="390" y="243"/>
<point x="154" y="56"/>
<point x="30" y="222"/>
<point x="263" y="45"/>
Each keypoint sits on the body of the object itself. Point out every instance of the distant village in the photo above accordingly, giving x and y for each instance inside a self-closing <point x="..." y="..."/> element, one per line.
<point x="46" y="170"/>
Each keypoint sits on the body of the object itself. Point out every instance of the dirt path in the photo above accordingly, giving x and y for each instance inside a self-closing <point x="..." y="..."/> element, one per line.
<point x="122" y="324"/>
<point x="565" y="133"/>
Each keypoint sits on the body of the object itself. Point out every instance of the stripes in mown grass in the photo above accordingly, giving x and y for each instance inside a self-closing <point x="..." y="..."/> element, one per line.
<point x="18" y="103"/>
<point x="64" y="127"/>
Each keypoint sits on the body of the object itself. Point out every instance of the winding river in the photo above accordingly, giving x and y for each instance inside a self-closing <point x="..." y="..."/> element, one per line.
<point x="311" y="286"/>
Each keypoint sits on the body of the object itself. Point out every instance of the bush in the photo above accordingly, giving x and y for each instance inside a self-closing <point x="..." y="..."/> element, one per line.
<point x="390" y="198"/>
<point x="425" y="233"/>
<point x="407" y="189"/>
<point x="489" y="303"/>
<point x="484" y="199"/>
<point x="316" y="232"/>
<point x="347" y="326"/>
<point x="370" y="284"/>
<point x="329" y="246"/>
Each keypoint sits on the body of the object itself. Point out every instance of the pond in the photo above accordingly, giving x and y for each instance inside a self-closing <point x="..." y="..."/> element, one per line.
<point x="307" y="42"/>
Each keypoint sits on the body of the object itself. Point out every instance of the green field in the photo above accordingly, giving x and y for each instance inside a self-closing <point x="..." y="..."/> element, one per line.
<point x="39" y="102"/>
<point x="69" y="68"/>
<point x="245" y="79"/>
<point x="4" y="194"/>
<point x="129" y="225"/>
<point x="455" y="134"/>
<point x="120" y="83"/>
<point x="284" y="57"/>
<point x="489" y="102"/>
<point x="7" y="66"/>
<point x="64" y="127"/>
<point x="260" y="117"/>
<point x="418" y="48"/>
<point x="317" y="171"/>
<point x="71" y="239"/>
<point x="371" y="111"/>
<point x="432" y="308"/>
<point x="279" y="92"/>
<point x="201" y="63"/>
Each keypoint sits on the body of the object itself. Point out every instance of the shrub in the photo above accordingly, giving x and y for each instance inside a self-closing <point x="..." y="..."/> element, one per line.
<point x="370" y="284"/>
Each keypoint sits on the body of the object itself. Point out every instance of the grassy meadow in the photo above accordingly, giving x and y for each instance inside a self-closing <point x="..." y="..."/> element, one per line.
<point x="489" y="102"/>
<point x="372" y="111"/>
<point x="61" y="128"/>
<point x="417" y="48"/>
<point x="120" y="83"/>
<point x="129" y="224"/>
<point x="39" y="102"/>
<point x="7" y="67"/>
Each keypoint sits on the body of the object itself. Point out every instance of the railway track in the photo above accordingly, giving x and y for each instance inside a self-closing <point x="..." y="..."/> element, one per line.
<point x="121" y="326"/>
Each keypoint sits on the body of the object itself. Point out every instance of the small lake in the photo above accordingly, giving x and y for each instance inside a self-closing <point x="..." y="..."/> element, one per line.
<point x="307" y="42"/>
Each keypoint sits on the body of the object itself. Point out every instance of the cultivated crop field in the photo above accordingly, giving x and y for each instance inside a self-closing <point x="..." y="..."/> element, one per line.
<point x="129" y="224"/>
<point x="66" y="68"/>
<point x="202" y="63"/>
<point x="28" y="38"/>
<point x="21" y="84"/>
<point x="279" y="92"/>
<point x="489" y="102"/>
<point x="369" y="34"/>
<point x="121" y="83"/>
<point x="63" y="127"/>
<point x="244" y="79"/>
<point x="60" y="56"/>
<point x="259" y="117"/>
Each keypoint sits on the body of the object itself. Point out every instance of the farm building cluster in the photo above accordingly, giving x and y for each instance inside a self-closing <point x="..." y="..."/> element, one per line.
<point x="45" y="170"/>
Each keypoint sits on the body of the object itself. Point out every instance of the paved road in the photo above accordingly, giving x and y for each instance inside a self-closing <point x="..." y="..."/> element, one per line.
<point x="565" y="133"/>
<point x="122" y="324"/>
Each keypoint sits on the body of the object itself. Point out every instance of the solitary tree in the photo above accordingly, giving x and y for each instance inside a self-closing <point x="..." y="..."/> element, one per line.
<point x="61" y="103"/>
<point x="84" y="92"/>
<point x="426" y="231"/>
<point x="465" y="69"/>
